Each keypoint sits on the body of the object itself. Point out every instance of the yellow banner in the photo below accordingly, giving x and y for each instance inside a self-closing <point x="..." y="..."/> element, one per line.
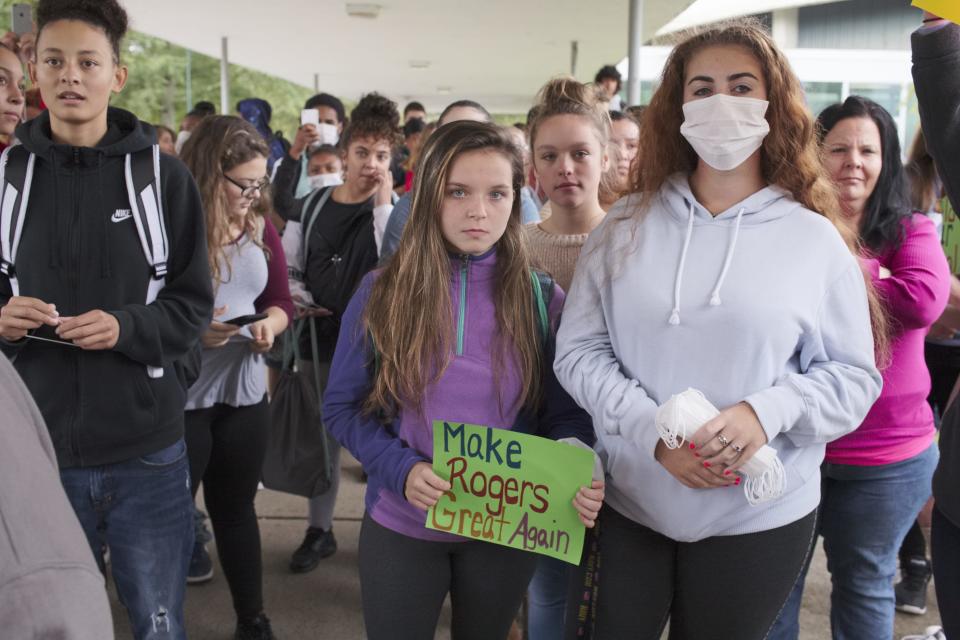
<point x="948" y="9"/>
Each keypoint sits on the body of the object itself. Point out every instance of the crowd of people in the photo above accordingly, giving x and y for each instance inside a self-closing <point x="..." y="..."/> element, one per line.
<point x="563" y="277"/>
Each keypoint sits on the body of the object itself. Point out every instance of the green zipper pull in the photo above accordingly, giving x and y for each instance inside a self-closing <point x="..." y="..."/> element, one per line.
<point x="461" y="319"/>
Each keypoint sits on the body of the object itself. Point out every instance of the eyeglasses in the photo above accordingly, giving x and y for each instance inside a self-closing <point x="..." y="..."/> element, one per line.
<point x="246" y="191"/>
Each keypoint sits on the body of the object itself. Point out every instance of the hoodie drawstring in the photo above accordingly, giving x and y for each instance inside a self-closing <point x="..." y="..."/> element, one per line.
<point x="55" y="227"/>
<point x="715" y="296"/>
<point x="105" y="254"/>
<point x="678" y="284"/>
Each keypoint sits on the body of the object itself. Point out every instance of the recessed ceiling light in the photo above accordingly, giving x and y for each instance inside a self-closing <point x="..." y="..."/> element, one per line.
<point x="419" y="64"/>
<point x="363" y="10"/>
<point x="444" y="90"/>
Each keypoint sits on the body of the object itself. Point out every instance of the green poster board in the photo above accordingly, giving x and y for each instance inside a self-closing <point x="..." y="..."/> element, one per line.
<point x="950" y="237"/>
<point x="510" y="488"/>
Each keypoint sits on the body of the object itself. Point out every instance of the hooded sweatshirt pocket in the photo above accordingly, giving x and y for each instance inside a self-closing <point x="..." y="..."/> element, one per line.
<point x="120" y="394"/>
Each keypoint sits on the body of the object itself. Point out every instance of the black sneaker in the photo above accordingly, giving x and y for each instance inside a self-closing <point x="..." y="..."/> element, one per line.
<point x="911" y="591"/>
<point x="317" y="544"/>
<point x="200" y="530"/>
<point x="201" y="566"/>
<point x="256" y="629"/>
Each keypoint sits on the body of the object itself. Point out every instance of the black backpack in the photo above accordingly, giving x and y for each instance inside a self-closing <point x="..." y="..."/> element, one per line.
<point x="142" y="176"/>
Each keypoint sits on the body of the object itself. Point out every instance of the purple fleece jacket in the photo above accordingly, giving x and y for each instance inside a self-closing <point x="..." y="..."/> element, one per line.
<point x="467" y="392"/>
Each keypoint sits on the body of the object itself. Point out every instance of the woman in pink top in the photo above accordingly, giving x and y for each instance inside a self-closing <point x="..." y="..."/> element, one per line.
<point x="876" y="479"/>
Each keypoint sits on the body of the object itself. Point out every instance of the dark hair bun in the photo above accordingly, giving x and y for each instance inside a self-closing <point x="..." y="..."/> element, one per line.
<point x="374" y="106"/>
<point x="103" y="14"/>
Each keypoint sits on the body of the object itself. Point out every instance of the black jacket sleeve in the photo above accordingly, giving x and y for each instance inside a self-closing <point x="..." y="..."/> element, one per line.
<point x="165" y="330"/>
<point x="9" y="349"/>
<point x="936" y="76"/>
<point x="285" y="189"/>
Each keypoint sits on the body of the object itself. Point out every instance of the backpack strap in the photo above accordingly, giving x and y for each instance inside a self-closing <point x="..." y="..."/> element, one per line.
<point x="309" y="213"/>
<point x="142" y="174"/>
<point x="542" y="296"/>
<point x="15" y="180"/>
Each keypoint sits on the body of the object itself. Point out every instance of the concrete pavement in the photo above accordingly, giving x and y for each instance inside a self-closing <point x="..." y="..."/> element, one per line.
<point x="325" y="604"/>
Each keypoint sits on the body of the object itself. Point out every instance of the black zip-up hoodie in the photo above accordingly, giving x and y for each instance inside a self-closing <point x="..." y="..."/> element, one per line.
<point x="80" y="251"/>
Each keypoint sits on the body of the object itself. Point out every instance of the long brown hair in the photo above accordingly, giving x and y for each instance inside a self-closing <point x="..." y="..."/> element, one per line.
<point x="790" y="155"/>
<point x="409" y="315"/>
<point x="565" y="96"/>
<point x="922" y="173"/>
<point x="217" y="145"/>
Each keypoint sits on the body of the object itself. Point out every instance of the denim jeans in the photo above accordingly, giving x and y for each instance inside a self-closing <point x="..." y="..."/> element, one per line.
<point x="547" y="599"/>
<point x="142" y="510"/>
<point x="865" y="512"/>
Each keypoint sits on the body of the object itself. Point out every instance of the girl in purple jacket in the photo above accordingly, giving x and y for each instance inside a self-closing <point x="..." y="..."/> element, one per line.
<point x="456" y="333"/>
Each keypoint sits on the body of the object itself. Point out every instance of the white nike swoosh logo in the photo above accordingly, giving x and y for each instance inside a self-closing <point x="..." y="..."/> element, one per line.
<point x="121" y="214"/>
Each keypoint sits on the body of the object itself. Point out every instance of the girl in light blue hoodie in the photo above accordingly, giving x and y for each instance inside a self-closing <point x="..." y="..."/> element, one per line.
<point x="724" y="272"/>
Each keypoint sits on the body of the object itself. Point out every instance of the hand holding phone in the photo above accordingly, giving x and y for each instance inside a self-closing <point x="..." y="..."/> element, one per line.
<point x="22" y="19"/>
<point x="242" y="321"/>
<point x="309" y="116"/>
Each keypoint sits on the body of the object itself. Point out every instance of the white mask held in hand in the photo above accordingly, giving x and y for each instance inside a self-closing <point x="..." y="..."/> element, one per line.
<point x="328" y="135"/>
<point x="683" y="414"/>
<point x="724" y="130"/>
<point x="322" y="180"/>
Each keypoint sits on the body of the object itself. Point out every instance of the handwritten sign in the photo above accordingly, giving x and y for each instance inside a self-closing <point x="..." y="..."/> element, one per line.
<point x="947" y="9"/>
<point x="510" y="488"/>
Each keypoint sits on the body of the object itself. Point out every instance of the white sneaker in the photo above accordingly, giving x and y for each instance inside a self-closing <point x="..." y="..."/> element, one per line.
<point x="930" y="633"/>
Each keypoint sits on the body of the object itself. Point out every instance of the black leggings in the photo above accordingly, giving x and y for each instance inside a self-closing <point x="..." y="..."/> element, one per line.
<point x="945" y="544"/>
<point x="226" y="447"/>
<point x="404" y="580"/>
<point x="720" y="588"/>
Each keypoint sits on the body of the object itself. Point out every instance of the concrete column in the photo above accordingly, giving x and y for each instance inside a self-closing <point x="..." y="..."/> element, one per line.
<point x="224" y="78"/>
<point x="786" y="28"/>
<point x="635" y="44"/>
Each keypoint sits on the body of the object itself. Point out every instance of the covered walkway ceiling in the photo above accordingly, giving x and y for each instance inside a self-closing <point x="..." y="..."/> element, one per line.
<point x="498" y="52"/>
<point x="495" y="51"/>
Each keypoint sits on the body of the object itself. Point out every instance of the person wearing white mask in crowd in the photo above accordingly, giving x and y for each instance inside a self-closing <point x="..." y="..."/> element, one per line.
<point x="324" y="167"/>
<point x="726" y="270"/>
<point x="290" y="174"/>
<point x="200" y="111"/>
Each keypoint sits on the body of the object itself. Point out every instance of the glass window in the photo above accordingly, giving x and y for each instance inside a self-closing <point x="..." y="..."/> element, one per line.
<point x="886" y="95"/>
<point x="821" y="95"/>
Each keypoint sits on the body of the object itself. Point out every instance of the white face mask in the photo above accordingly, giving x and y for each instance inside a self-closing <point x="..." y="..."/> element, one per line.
<point x="328" y="134"/>
<point x="725" y="130"/>
<point x="324" y="180"/>
<point x="182" y="138"/>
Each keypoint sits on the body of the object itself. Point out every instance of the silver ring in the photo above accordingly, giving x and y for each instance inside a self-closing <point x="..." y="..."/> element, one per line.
<point x="723" y="440"/>
<point x="737" y="448"/>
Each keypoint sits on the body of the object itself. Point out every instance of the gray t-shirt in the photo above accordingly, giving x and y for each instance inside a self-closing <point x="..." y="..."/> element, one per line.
<point x="233" y="374"/>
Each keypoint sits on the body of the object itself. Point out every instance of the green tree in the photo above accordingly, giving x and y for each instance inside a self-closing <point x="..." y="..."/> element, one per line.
<point x="156" y="90"/>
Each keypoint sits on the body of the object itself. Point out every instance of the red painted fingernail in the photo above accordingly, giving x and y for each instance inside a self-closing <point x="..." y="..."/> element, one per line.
<point x="727" y="472"/>
<point x="737" y="482"/>
<point x="706" y="464"/>
<point x="693" y="446"/>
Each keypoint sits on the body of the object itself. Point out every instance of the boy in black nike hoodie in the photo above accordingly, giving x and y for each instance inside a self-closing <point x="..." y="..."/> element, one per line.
<point x="102" y="364"/>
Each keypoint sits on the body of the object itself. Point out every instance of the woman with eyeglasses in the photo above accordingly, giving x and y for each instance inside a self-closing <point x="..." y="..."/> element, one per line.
<point x="227" y="413"/>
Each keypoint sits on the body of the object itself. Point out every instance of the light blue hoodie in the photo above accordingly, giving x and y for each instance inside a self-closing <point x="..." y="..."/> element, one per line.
<point x="762" y="303"/>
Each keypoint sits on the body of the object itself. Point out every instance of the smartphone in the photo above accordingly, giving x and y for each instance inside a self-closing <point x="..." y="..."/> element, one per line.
<point x="242" y="321"/>
<point x="22" y="19"/>
<point x="309" y="116"/>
